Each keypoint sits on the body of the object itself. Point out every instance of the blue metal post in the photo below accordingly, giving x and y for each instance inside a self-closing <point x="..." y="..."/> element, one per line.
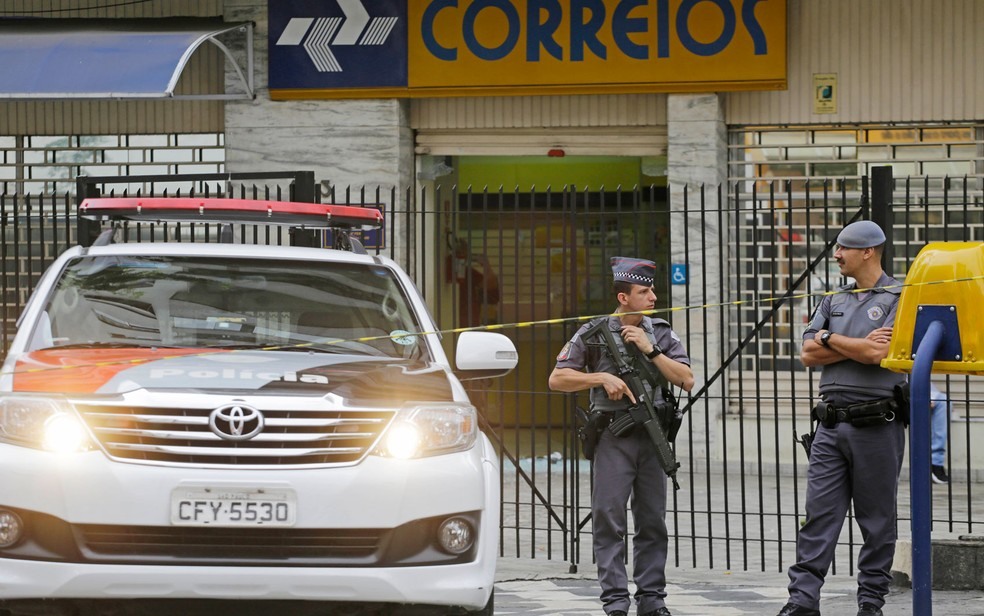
<point x="919" y="468"/>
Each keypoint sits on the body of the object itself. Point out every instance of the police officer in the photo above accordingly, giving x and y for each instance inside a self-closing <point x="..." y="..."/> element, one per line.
<point x="627" y="465"/>
<point x="858" y="447"/>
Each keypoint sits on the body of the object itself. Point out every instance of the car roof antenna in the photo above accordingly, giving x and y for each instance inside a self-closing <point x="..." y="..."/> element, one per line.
<point x="345" y="241"/>
<point x="105" y="238"/>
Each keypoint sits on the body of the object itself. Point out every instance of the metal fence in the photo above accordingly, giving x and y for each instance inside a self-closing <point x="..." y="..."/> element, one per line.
<point x="740" y="268"/>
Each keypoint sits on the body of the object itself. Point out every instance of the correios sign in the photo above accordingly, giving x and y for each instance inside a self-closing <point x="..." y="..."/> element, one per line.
<point x="407" y="48"/>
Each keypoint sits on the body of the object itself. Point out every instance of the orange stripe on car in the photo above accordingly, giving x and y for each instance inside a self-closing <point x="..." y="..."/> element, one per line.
<point x="79" y="371"/>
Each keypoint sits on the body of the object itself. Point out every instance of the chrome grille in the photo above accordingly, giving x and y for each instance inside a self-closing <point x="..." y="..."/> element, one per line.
<point x="183" y="436"/>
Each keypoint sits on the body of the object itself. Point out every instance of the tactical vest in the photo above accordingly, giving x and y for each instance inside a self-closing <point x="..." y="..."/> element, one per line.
<point x="599" y="398"/>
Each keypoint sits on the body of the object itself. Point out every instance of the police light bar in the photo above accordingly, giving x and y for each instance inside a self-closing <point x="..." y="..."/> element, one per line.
<point x="189" y="209"/>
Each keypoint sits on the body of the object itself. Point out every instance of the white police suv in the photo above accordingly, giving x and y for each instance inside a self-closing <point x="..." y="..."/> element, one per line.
<point x="182" y="423"/>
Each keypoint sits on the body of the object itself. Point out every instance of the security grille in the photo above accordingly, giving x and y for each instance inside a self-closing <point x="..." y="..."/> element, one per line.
<point x="794" y="188"/>
<point x="49" y="164"/>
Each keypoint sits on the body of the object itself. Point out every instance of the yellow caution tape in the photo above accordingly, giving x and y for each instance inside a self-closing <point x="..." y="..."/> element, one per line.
<point x="493" y="327"/>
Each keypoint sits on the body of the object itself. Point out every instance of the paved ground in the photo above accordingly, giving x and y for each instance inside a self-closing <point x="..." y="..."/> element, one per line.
<point x="534" y="578"/>
<point x="530" y="587"/>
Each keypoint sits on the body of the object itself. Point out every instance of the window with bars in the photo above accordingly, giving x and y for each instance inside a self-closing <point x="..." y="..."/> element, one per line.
<point x="794" y="188"/>
<point x="49" y="164"/>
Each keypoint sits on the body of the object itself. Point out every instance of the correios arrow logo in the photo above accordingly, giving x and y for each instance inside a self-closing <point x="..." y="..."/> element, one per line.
<point x="356" y="28"/>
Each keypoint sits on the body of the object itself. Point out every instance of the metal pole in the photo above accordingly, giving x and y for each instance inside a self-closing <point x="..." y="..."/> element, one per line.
<point x="919" y="467"/>
<point x="881" y="211"/>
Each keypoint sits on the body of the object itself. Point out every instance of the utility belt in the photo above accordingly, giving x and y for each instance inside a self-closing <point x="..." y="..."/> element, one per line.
<point x="860" y="415"/>
<point x="622" y="423"/>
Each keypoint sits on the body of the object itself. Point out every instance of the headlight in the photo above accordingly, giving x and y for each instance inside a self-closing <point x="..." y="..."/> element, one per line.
<point x="421" y="429"/>
<point x="455" y="535"/>
<point x="43" y="423"/>
<point x="11" y="528"/>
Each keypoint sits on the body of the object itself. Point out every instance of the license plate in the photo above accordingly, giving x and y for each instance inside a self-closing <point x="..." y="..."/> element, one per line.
<point x="267" y="507"/>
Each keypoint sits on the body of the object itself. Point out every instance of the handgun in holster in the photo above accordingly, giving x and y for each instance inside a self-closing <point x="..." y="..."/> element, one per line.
<point x="900" y="394"/>
<point x="589" y="429"/>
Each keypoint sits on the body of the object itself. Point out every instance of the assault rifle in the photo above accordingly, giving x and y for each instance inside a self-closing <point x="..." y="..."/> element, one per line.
<point x="643" y="412"/>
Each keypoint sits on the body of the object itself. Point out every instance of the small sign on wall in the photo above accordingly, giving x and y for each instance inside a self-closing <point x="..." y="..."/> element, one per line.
<point x="678" y="273"/>
<point x="824" y="92"/>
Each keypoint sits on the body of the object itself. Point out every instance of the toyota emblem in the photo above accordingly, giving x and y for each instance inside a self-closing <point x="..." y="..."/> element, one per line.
<point x="236" y="422"/>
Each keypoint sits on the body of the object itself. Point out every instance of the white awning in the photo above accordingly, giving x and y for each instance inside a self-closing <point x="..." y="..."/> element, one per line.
<point x="113" y="58"/>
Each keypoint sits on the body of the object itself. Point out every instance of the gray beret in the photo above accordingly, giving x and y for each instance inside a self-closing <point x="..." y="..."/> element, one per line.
<point x="636" y="271"/>
<point x="861" y="234"/>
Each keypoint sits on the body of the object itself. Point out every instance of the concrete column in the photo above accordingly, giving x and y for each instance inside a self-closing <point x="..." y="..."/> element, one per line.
<point x="347" y="143"/>
<point x="697" y="159"/>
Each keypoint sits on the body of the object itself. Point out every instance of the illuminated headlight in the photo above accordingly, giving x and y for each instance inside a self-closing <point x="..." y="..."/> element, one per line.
<point x="43" y="423"/>
<point x="421" y="430"/>
<point x="455" y="535"/>
<point x="11" y="528"/>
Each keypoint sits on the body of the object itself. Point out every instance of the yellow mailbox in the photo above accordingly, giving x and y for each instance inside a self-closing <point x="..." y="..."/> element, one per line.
<point x="945" y="283"/>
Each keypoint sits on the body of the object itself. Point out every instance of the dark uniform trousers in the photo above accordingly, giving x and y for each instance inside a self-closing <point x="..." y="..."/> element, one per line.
<point x="850" y="464"/>
<point x="623" y="466"/>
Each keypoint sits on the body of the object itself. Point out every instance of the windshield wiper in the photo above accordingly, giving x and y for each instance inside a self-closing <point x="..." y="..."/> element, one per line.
<point x="111" y="345"/>
<point x="341" y="347"/>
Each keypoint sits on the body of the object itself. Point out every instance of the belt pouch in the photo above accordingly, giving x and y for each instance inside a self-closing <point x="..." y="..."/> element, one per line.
<point x="825" y="414"/>
<point x="871" y="413"/>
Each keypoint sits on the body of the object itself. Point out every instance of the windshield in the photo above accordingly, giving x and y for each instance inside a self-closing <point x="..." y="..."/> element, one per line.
<point x="211" y="302"/>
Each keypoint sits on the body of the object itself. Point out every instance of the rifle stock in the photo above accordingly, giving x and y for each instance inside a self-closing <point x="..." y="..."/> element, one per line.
<point x="644" y="411"/>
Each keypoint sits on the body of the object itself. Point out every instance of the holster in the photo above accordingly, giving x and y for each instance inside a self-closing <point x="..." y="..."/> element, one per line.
<point x="589" y="430"/>
<point x="670" y="414"/>
<point x="903" y="408"/>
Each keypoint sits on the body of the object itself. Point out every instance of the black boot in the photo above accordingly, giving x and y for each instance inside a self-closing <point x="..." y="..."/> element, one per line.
<point x="791" y="609"/>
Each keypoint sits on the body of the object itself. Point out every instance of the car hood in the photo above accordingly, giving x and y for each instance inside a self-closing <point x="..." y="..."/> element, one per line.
<point x="118" y="371"/>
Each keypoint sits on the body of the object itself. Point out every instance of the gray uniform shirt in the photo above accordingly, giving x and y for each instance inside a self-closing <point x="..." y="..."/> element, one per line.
<point x="856" y="315"/>
<point x="579" y="355"/>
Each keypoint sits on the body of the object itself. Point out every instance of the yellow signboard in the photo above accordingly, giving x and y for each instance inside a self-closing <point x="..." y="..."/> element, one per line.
<point x="503" y="47"/>
<point x="537" y="46"/>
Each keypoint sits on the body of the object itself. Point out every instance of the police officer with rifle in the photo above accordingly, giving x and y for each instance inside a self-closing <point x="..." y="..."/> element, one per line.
<point x="633" y="456"/>
<point x="657" y="419"/>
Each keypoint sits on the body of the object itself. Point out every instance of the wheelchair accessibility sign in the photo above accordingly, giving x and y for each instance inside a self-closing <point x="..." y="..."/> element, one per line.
<point x="678" y="273"/>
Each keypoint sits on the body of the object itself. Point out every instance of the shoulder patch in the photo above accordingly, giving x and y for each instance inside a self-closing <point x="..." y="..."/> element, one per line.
<point x="875" y="313"/>
<point x="564" y="352"/>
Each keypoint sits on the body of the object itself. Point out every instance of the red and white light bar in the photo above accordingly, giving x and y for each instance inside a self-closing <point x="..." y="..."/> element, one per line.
<point x="189" y="209"/>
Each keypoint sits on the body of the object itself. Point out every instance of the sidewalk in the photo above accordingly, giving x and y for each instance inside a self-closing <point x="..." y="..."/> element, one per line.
<point x="702" y="586"/>
<point x="534" y="586"/>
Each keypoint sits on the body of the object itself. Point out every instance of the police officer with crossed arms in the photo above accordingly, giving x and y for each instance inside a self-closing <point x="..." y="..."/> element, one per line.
<point x="856" y="455"/>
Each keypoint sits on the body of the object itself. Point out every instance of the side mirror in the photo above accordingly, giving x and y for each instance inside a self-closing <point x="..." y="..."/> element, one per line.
<point x="484" y="355"/>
